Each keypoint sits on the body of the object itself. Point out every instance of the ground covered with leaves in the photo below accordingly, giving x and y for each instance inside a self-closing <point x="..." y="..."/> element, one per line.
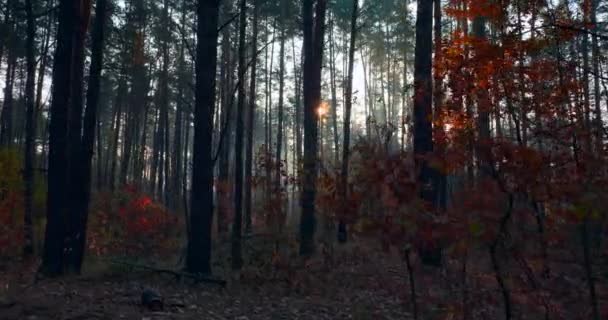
<point x="352" y="286"/>
<point x="354" y="281"/>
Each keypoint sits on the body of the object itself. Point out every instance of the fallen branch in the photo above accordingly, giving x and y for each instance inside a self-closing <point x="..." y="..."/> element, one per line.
<point x="178" y="274"/>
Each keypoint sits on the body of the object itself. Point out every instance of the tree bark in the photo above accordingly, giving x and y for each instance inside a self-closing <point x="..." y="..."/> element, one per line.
<point x="30" y="132"/>
<point x="250" y="121"/>
<point x="82" y="159"/>
<point x="57" y="200"/>
<point x="314" y="30"/>
<point x="348" y="104"/>
<point x="423" y="112"/>
<point x="226" y="94"/>
<point x="6" y="117"/>
<point x="277" y="183"/>
<point x="441" y="183"/>
<point x="198" y="258"/>
<point x="237" y="259"/>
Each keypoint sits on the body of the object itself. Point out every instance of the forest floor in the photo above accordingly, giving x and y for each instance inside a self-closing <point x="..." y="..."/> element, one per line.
<point x="358" y="281"/>
<point x="358" y="287"/>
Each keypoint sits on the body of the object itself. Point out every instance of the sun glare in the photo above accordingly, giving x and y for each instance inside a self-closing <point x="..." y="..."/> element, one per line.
<point x="323" y="109"/>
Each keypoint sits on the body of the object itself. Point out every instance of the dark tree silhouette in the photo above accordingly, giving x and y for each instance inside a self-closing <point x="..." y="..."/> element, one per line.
<point x="198" y="258"/>
<point x="314" y="30"/>
<point x="237" y="259"/>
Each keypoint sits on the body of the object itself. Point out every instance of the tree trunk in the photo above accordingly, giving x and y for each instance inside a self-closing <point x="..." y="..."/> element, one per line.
<point x="198" y="258"/>
<point x="57" y="199"/>
<point x="121" y="91"/>
<point x="268" y="119"/>
<point x="423" y="112"/>
<point x="237" y="259"/>
<point x="423" y="115"/>
<point x="176" y="190"/>
<point x="333" y="87"/>
<point x="441" y="183"/>
<point x="250" y="121"/>
<point x="4" y="35"/>
<point x="226" y="94"/>
<point x="348" y="104"/>
<point x="277" y="183"/>
<point x="30" y="132"/>
<point x="314" y="30"/>
<point x="6" y="117"/>
<point x="82" y="159"/>
<point x="297" y="71"/>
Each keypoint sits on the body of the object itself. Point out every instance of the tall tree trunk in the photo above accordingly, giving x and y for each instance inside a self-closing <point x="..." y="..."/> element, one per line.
<point x="176" y="158"/>
<point x="404" y="88"/>
<point x="595" y="50"/>
<point x="297" y="71"/>
<point x="250" y="121"/>
<point x="314" y="30"/>
<point x="333" y="86"/>
<point x="30" y="132"/>
<point x="77" y="194"/>
<point x="423" y="109"/>
<point x="277" y="183"/>
<point x="137" y="96"/>
<point x="268" y="118"/>
<point x="57" y="199"/>
<point x="441" y="183"/>
<point x="278" y="224"/>
<point x="348" y="104"/>
<point x="423" y="114"/>
<point x="226" y="94"/>
<point x="237" y="259"/>
<point x="82" y="158"/>
<point x="164" y="105"/>
<point x="198" y="258"/>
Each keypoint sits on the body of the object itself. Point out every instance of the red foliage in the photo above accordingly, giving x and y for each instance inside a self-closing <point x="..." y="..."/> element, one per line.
<point x="11" y="224"/>
<point x="132" y="224"/>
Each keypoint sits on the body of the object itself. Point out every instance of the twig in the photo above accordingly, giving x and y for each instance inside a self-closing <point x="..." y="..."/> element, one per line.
<point x="177" y="274"/>
<point x="410" y="272"/>
<point x="225" y="24"/>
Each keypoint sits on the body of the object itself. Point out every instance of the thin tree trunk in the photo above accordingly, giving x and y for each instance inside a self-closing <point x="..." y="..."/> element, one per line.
<point x="297" y="71"/>
<point x="250" y="121"/>
<point x="268" y="119"/>
<point x="226" y="94"/>
<point x="30" y="131"/>
<point x="178" y="136"/>
<point x="348" y="104"/>
<point x="595" y="49"/>
<point x="332" y="82"/>
<point x="237" y="259"/>
<point x="277" y="183"/>
<point x="114" y="153"/>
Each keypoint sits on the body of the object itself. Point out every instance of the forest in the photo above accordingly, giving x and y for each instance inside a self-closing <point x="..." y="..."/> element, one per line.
<point x="303" y="159"/>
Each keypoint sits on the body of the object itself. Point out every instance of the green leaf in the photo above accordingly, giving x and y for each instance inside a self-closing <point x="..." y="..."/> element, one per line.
<point x="476" y="229"/>
<point x="580" y="211"/>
